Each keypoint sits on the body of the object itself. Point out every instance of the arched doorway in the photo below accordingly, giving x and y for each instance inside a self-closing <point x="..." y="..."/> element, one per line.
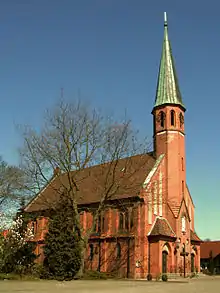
<point x="164" y="262"/>
<point x="192" y="262"/>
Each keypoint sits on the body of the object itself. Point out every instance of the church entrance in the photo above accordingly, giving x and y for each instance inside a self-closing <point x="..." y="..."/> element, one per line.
<point x="192" y="263"/>
<point x="164" y="262"/>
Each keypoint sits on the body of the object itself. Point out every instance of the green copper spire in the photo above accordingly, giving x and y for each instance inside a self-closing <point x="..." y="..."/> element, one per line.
<point x="168" y="91"/>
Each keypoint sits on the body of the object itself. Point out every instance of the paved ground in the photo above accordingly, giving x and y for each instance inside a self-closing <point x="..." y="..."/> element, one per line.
<point x="203" y="285"/>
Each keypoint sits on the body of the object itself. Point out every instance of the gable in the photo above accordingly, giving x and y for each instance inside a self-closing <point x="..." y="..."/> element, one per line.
<point x="91" y="183"/>
<point x="183" y="209"/>
<point x="161" y="227"/>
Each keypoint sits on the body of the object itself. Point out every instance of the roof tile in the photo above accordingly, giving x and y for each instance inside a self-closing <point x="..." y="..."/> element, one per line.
<point x="162" y="228"/>
<point x="127" y="176"/>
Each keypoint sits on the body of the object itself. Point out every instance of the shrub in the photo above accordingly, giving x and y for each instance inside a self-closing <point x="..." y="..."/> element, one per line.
<point x="149" y="277"/>
<point x="4" y="276"/>
<point x="192" y="275"/>
<point x="164" y="278"/>
<point x="41" y="272"/>
<point x="206" y="272"/>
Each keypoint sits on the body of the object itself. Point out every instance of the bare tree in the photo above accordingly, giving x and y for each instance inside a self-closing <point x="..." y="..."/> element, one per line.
<point x="82" y="146"/>
<point x="11" y="182"/>
<point x="11" y="186"/>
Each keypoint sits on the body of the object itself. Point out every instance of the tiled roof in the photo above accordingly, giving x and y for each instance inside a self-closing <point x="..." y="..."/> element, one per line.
<point x="208" y="247"/>
<point x="161" y="227"/>
<point x="127" y="174"/>
<point x="168" y="91"/>
<point x="194" y="236"/>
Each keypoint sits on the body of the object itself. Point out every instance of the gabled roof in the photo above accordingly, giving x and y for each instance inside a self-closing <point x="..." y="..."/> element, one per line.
<point x="168" y="91"/>
<point x="161" y="227"/>
<point x="128" y="175"/>
<point x="207" y="247"/>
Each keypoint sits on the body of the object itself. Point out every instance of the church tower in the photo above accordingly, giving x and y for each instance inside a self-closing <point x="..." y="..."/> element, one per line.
<point x="169" y="135"/>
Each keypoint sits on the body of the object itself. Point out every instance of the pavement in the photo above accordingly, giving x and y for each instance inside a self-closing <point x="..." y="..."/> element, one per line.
<point x="202" y="285"/>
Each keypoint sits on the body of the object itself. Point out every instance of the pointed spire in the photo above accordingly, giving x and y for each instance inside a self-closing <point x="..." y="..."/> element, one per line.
<point x="168" y="91"/>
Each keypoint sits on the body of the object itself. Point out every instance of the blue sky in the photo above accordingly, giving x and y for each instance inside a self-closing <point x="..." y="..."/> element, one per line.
<point x="110" y="51"/>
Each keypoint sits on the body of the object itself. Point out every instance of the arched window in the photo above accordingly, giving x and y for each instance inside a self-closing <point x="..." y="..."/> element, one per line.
<point x="162" y="118"/>
<point x="118" y="251"/>
<point x="126" y="220"/>
<point x="91" y="252"/>
<point x="172" y="118"/>
<point x="132" y="219"/>
<point x="182" y="164"/>
<point x="183" y="224"/>
<point x="121" y="221"/>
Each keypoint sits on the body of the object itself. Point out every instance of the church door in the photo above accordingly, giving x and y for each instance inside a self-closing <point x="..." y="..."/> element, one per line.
<point x="164" y="262"/>
<point x="192" y="263"/>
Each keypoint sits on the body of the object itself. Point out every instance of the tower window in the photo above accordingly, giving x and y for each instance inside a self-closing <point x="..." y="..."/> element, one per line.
<point x="182" y="187"/>
<point x="182" y="165"/>
<point x="181" y="119"/>
<point x="161" y="118"/>
<point x="172" y="118"/>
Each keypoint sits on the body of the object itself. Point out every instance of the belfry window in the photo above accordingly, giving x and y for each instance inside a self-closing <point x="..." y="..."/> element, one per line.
<point x="172" y="118"/>
<point x="162" y="118"/>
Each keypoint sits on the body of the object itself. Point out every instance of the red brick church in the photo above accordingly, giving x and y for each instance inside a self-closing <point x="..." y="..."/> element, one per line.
<point x="155" y="231"/>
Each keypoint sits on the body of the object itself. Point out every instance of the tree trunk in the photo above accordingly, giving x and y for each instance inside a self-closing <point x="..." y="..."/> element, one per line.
<point x="82" y="266"/>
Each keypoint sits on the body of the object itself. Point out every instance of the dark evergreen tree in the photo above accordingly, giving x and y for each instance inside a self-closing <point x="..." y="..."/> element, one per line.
<point x="61" y="250"/>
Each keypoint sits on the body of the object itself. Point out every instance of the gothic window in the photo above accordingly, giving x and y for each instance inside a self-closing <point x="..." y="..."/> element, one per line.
<point x="99" y="223"/>
<point x="118" y="251"/>
<point x="132" y="219"/>
<point x="126" y="220"/>
<point x="91" y="252"/>
<point x="121" y="221"/>
<point x="172" y="118"/>
<point x="183" y="224"/>
<point x="182" y="164"/>
<point x="161" y="118"/>
<point x="95" y="223"/>
<point x="103" y="223"/>
<point x="181" y="117"/>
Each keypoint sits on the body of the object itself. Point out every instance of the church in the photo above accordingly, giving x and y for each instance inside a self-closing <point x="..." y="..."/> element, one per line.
<point x="155" y="232"/>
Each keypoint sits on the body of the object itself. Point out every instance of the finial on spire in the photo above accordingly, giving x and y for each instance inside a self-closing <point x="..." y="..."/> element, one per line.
<point x="165" y="19"/>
